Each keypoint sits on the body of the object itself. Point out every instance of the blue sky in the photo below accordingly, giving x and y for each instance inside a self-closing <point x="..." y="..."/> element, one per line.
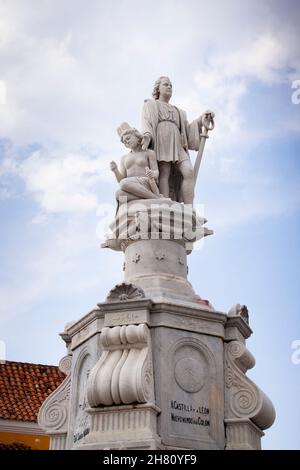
<point x="70" y="73"/>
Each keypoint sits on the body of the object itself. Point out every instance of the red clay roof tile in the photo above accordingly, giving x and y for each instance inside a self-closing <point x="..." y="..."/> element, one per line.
<point x="24" y="387"/>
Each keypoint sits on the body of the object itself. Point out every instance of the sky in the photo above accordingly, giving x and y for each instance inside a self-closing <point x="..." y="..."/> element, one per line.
<point x="70" y="72"/>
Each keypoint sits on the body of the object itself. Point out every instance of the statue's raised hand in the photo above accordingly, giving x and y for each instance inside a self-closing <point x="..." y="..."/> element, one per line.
<point x="113" y="166"/>
<point x="207" y="120"/>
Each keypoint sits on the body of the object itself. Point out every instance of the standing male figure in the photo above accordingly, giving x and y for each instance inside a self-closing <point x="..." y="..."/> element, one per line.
<point x="165" y="129"/>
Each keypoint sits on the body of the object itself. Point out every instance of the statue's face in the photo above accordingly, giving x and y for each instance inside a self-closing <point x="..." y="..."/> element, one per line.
<point x="165" y="87"/>
<point x="130" y="140"/>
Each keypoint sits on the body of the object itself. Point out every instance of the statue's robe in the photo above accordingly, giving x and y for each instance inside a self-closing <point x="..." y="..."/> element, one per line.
<point x="190" y="132"/>
<point x="190" y="139"/>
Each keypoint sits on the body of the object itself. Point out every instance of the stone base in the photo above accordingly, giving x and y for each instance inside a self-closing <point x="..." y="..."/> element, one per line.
<point x="58" y="441"/>
<point x="122" y="427"/>
<point x="242" y="435"/>
<point x="156" y="375"/>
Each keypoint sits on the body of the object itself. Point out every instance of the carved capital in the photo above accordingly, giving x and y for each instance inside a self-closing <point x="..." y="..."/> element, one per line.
<point x="123" y="374"/>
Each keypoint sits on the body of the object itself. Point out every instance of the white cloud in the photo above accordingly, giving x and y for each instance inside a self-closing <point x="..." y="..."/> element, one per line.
<point x="251" y="204"/>
<point x="266" y="59"/>
<point x="225" y="78"/>
<point x="73" y="73"/>
<point x="62" y="262"/>
<point x="61" y="182"/>
<point x="2" y="92"/>
<point x="8" y="165"/>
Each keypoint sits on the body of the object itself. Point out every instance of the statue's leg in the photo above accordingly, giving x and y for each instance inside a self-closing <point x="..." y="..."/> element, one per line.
<point x="188" y="183"/>
<point x="138" y="190"/>
<point x="121" y="193"/>
<point x="164" y="174"/>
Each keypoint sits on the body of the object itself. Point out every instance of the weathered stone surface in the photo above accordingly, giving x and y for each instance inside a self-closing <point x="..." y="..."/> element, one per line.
<point x="189" y="389"/>
<point x="243" y="398"/>
<point x="177" y="350"/>
<point x="155" y="219"/>
<point x="126" y="427"/>
<point x="54" y="413"/>
<point x="125" y="291"/>
<point x="124" y="373"/>
<point x="84" y="357"/>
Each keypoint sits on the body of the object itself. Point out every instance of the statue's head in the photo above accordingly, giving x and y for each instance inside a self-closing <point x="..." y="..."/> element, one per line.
<point x="162" y="85"/>
<point x="129" y="136"/>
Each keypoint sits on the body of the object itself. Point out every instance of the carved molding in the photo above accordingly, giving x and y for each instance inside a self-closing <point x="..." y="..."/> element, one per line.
<point x="124" y="244"/>
<point x="80" y="419"/>
<point x="65" y="364"/>
<point x="123" y="424"/>
<point x="155" y="219"/>
<point x="53" y="414"/>
<point x="124" y="373"/>
<point x="125" y="291"/>
<point x="243" y="399"/>
<point x="242" y="434"/>
<point x="160" y="256"/>
<point x="239" y="310"/>
<point x="136" y="258"/>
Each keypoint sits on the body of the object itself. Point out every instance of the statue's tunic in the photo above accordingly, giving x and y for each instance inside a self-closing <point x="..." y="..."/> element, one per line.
<point x="171" y="134"/>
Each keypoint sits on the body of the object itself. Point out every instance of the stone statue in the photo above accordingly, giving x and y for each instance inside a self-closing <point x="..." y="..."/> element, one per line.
<point x="165" y="129"/>
<point x="138" y="171"/>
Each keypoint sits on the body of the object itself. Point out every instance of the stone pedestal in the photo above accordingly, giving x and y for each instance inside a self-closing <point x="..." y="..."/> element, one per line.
<point x="155" y="366"/>
<point x="159" y="268"/>
<point x="131" y="427"/>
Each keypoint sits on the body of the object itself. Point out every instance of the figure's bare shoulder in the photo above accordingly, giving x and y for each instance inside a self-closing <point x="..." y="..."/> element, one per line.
<point x="129" y="154"/>
<point x="124" y="158"/>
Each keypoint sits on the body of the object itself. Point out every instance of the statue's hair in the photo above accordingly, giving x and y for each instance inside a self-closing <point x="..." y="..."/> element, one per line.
<point x="135" y="132"/>
<point x="155" y="92"/>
